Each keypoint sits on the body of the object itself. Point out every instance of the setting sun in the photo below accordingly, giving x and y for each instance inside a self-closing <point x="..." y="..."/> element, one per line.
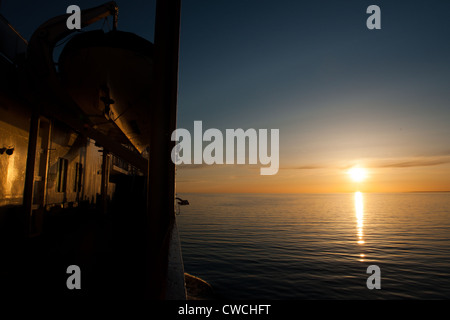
<point x="357" y="174"/>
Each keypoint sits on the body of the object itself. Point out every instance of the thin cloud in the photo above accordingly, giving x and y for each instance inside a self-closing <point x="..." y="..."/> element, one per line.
<point x="416" y="162"/>
<point x="426" y="161"/>
<point x="193" y="166"/>
<point x="309" y="167"/>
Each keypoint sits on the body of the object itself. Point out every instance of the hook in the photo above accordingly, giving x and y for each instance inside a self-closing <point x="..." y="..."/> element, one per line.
<point x="182" y="202"/>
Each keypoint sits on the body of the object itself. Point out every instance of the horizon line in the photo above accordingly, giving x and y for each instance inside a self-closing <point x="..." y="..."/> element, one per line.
<point x="209" y="192"/>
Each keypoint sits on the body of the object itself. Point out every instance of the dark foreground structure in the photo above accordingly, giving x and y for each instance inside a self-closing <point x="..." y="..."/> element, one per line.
<point x="86" y="176"/>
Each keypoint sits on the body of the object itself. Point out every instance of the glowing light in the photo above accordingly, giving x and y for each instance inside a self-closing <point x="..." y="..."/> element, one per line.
<point x="357" y="174"/>
<point x="11" y="176"/>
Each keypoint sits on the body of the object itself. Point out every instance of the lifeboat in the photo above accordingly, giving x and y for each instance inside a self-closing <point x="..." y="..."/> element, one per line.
<point x="109" y="76"/>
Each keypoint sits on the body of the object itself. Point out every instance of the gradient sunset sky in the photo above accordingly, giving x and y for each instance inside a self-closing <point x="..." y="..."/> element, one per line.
<point x="340" y="94"/>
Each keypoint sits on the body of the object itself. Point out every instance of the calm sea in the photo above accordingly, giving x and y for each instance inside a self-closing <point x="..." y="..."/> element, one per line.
<point x="318" y="246"/>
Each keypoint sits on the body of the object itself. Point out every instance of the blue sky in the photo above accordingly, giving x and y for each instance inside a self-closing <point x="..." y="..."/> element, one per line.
<point x="315" y="71"/>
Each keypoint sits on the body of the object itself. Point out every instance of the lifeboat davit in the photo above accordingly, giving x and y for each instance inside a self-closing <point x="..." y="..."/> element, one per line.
<point x="109" y="75"/>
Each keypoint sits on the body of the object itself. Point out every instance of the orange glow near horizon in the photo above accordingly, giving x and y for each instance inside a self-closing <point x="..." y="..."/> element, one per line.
<point x="246" y="179"/>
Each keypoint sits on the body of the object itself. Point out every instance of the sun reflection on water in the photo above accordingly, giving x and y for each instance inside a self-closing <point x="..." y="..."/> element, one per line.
<point x="359" y="209"/>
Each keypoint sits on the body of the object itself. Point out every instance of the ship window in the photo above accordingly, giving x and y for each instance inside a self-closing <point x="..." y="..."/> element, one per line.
<point x="61" y="178"/>
<point x="78" y="177"/>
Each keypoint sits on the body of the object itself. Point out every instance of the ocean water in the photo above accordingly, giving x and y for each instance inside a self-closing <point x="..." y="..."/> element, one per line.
<point x="318" y="246"/>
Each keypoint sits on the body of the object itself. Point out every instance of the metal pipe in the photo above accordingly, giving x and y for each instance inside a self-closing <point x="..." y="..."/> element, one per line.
<point x="105" y="182"/>
<point x="29" y="173"/>
<point x="161" y="172"/>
